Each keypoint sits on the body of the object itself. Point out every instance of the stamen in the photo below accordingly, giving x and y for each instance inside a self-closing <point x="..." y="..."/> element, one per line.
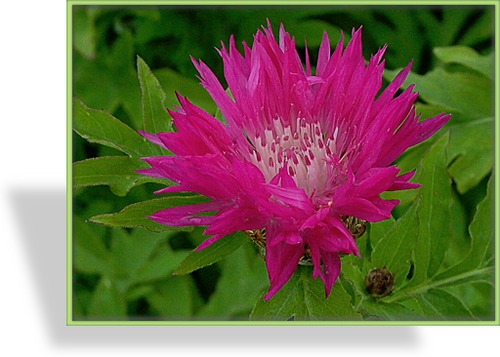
<point x="303" y="147"/>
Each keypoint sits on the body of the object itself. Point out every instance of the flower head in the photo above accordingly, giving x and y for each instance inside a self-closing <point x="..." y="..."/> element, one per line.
<point x="302" y="158"/>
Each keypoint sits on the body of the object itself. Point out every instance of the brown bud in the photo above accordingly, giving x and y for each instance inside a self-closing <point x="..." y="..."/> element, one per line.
<point x="379" y="282"/>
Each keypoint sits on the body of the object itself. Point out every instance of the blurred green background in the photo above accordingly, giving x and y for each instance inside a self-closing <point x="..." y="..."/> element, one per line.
<point x="126" y="273"/>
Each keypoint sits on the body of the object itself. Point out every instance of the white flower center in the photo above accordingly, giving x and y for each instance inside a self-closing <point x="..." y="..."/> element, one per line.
<point x="302" y="147"/>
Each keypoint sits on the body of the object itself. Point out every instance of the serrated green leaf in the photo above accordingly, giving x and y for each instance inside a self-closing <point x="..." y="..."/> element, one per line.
<point x="392" y="312"/>
<point x="136" y="215"/>
<point x="303" y="298"/>
<point x="117" y="172"/>
<point x="107" y="302"/>
<point x="210" y="255"/>
<point x="100" y="127"/>
<point x="394" y="250"/>
<point x="469" y="93"/>
<point x="243" y="279"/>
<point x="433" y="212"/>
<point x="467" y="57"/>
<point x="154" y="111"/>
<point x="470" y="152"/>
<point x="482" y="229"/>
<point x="477" y="265"/>
<point x="439" y="304"/>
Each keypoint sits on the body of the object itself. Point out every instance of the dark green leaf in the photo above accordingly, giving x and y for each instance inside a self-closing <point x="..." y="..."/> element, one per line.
<point x="117" y="172"/>
<point x="303" y="298"/>
<point x="136" y="215"/>
<point x="100" y="127"/>
<point x="210" y="255"/>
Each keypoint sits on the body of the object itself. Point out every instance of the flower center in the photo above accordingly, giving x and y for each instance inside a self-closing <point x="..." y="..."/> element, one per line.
<point x="301" y="146"/>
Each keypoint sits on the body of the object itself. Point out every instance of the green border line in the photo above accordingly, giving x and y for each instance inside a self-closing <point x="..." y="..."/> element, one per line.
<point x="69" y="147"/>
<point x="69" y="164"/>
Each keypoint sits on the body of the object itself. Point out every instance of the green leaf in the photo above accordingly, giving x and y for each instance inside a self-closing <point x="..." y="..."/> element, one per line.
<point x="469" y="93"/>
<point x="243" y="279"/>
<point x="173" y="82"/>
<point x="161" y="265"/>
<point x="90" y="254"/>
<point x="132" y="250"/>
<point x="117" y="172"/>
<point x="84" y="31"/>
<point x="467" y="57"/>
<point x="136" y="215"/>
<point x="107" y="302"/>
<point x="471" y="152"/>
<point x="154" y="111"/>
<point x="477" y="265"/>
<point x="439" y="304"/>
<point x="482" y="229"/>
<point x="100" y="127"/>
<point x="393" y="312"/>
<point x="394" y="251"/>
<point x="210" y="255"/>
<point x="175" y="298"/>
<point x="303" y="298"/>
<point x="433" y="212"/>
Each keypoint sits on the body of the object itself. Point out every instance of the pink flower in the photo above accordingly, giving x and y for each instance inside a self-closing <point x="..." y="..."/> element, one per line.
<point x="301" y="153"/>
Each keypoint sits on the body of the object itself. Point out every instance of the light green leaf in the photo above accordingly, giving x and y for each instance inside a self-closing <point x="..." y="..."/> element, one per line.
<point x="303" y="298"/>
<point x="243" y="279"/>
<point x="117" y="172"/>
<point x="210" y="255"/>
<point x="100" y="127"/>
<point x="136" y="215"/>
<point x="154" y="111"/>
<point x="467" y="57"/>
<point x="471" y="152"/>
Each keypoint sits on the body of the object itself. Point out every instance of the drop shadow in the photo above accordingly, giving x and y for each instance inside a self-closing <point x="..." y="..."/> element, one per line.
<point x="41" y="216"/>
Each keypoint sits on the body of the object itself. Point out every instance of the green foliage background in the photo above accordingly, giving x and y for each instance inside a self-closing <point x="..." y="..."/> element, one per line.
<point x="127" y="64"/>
